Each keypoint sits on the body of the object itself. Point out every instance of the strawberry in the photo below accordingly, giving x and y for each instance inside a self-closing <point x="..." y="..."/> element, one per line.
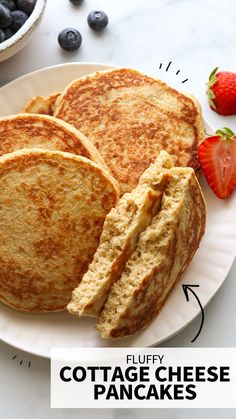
<point x="221" y="91"/>
<point x="217" y="155"/>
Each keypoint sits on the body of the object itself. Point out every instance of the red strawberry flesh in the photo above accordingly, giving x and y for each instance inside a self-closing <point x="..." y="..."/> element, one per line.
<point x="217" y="156"/>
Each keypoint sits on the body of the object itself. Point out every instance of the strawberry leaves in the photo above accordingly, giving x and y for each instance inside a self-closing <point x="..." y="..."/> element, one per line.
<point x="212" y="80"/>
<point x="226" y="133"/>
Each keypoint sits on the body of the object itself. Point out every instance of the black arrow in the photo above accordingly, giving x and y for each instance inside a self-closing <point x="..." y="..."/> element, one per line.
<point x="186" y="288"/>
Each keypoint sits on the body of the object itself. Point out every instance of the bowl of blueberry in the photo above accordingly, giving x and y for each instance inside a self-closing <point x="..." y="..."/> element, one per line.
<point x="18" y="19"/>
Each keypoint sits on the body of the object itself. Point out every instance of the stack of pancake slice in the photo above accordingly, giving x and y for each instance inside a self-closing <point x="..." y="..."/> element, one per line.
<point x="94" y="215"/>
<point x="147" y="242"/>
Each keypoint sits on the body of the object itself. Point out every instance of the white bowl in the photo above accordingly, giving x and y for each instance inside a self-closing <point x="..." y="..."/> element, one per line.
<point x="14" y="44"/>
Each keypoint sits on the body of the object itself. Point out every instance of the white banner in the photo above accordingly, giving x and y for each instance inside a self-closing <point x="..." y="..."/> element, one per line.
<point x="143" y="378"/>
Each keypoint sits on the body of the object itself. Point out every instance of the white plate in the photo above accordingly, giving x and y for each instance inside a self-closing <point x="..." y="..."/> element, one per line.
<point x="209" y="268"/>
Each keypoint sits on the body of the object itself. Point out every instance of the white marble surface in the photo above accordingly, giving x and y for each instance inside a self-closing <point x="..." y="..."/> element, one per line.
<point x="196" y="36"/>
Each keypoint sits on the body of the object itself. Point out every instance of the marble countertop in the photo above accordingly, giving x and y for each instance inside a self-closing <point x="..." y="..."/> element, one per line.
<point x="195" y="36"/>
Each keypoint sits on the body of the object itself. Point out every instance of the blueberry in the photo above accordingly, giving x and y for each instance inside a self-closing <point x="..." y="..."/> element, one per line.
<point x="2" y="36"/>
<point x="76" y="2"/>
<point x="97" y="20"/>
<point x="18" y="19"/>
<point x="8" y="33"/>
<point x="26" y="6"/>
<point x="5" y="17"/>
<point x="70" y="39"/>
<point x="10" y="4"/>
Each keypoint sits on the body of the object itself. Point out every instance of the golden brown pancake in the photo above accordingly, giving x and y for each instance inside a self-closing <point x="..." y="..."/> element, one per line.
<point x="130" y="118"/>
<point x="41" y="131"/>
<point x="52" y="209"/>
<point x="41" y="104"/>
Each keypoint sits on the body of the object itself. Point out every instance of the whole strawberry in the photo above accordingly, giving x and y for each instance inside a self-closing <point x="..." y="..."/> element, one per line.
<point x="217" y="155"/>
<point x="221" y="92"/>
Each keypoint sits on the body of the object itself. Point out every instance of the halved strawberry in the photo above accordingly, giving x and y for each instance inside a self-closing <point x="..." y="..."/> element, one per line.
<point x="217" y="155"/>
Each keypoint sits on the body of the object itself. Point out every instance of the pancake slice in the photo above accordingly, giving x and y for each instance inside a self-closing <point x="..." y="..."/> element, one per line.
<point x="52" y="209"/>
<point x="41" y="131"/>
<point x="122" y="227"/>
<point x="41" y="104"/>
<point x="130" y="118"/>
<point x="163" y="252"/>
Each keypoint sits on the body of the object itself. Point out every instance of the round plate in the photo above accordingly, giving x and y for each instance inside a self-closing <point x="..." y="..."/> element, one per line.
<point x="39" y="332"/>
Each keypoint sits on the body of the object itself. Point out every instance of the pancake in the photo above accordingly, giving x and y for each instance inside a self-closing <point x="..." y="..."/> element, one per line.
<point x="41" y="104"/>
<point x="130" y="118"/>
<point x="122" y="227"/>
<point x="52" y="209"/>
<point x="41" y="131"/>
<point x="163" y="252"/>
